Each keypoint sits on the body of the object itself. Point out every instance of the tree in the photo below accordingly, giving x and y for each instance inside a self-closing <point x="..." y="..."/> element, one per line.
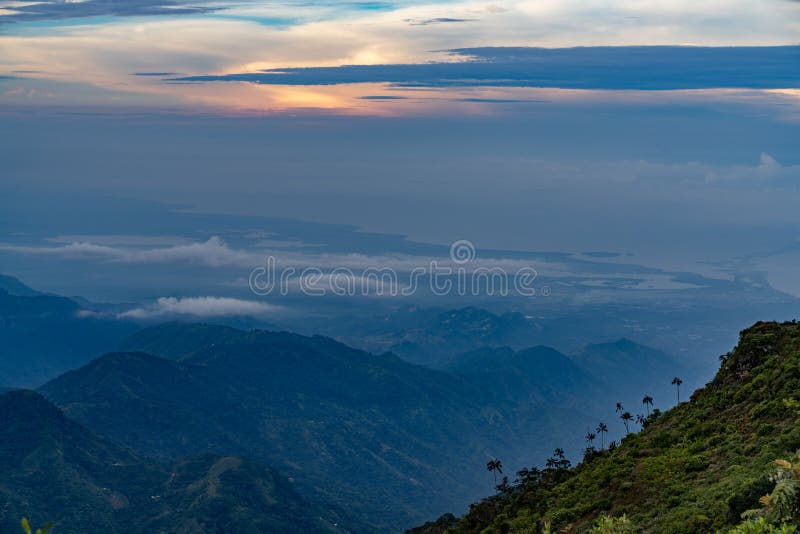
<point x="677" y="383"/>
<point x="504" y="487"/>
<point x="647" y="400"/>
<point x="558" y="461"/>
<point x="640" y="420"/>
<point x="602" y="429"/>
<point x="626" y="418"/>
<point x="619" y="407"/>
<point x="494" y="466"/>
<point x="590" y="437"/>
<point x="528" y="476"/>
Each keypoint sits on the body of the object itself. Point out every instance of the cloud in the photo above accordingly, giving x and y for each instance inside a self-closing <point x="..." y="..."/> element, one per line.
<point x="212" y="253"/>
<point x="200" y="307"/>
<point x="80" y="58"/>
<point x="382" y="97"/>
<point x="768" y="163"/>
<point x="122" y="239"/>
<point x="54" y="9"/>
<point x="497" y="100"/>
<point x="602" y="67"/>
<point x="155" y="74"/>
<point x="437" y="20"/>
<point x="768" y="171"/>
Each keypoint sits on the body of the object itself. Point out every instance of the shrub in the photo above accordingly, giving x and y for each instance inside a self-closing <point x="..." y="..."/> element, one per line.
<point x="26" y="527"/>
<point x="612" y="525"/>
<point x="760" y="526"/>
<point x="748" y="498"/>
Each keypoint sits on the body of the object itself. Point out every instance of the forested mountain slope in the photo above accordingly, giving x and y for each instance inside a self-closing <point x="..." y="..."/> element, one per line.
<point x="695" y="468"/>
<point x="53" y="469"/>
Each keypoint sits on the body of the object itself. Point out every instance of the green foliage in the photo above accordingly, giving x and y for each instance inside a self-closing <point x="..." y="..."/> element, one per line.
<point x="612" y="525"/>
<point x="783" y="504"/>
<point x="761" y="526"/>
<point x="26" y="526"/>
<point x="748" y="497"/>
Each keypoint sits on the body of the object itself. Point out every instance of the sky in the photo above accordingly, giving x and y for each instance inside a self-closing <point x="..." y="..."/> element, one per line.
<point x="664" y="134"/>
<point x="132" y="54"/>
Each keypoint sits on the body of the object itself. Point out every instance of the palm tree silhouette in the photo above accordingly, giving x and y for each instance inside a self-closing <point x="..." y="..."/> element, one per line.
<point x="494" y="466"/>
<point x="619" y="407"/>
<point x="602" y="429"/>
<point x="677" y="383"/>
<point x="640" y="420"/>
<point x="558" y="461"/>
<point x="590" y="436"/>
<point x="626" y="418"/>
<point x="648" y="402"/>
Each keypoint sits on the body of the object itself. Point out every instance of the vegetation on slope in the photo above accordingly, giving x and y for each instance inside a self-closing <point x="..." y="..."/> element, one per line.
<point x="696" y="468"/>
<point x="52" y="468"/>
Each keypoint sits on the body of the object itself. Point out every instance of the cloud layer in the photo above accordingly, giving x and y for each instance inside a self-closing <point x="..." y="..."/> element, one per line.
<point x="643" y="68"/>
<point x="200" y="307"/>
<point x="212" y="253"/>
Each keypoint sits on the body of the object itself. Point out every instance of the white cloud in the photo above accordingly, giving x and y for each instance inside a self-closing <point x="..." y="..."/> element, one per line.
<point x="212" y="253"/>
<point x="767" y="170"/>
<point x="126" y="240"/>
<point x="200" y="307"/>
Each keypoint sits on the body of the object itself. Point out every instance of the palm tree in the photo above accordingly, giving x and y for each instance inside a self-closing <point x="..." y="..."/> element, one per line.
<point x="602" y="429"/>
<point x="619" y="407"/>
<point x="626" y="418"/>
<point x="494" y="466"/>
<point x="558" y="461"/>
<point x="648" y="402"/>
<point x="677" y="383"/>
<point x="590" y="436"/>
<point x="640" y="420"/>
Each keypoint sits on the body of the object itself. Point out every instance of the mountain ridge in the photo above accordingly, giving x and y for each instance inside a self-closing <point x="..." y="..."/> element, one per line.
<point x="340" y="421"/>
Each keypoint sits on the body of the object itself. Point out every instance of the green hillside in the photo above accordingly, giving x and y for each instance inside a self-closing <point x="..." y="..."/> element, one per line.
<point x="53" y="469"/>
<point x="695" y="468"/>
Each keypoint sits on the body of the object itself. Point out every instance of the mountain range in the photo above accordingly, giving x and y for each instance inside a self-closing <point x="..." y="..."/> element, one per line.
<point x="54" y="469"/>
<point x="44" y="335"/>
<point x="433" y="338"/>
<point x="372" y="433"/>
<point x="375" y="434"/>
<point x="390" y="442"/>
